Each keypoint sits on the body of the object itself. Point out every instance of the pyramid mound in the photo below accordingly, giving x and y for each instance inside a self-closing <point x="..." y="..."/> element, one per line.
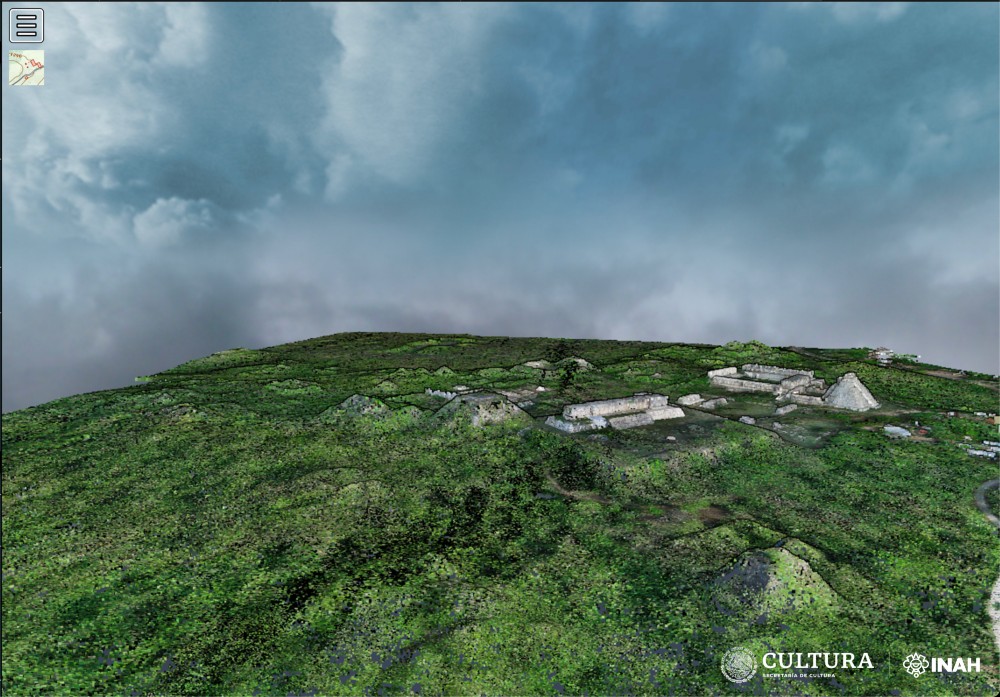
<point x="581" y="363"/>
<point x="849" y="393"/>
<point x="362" y="405"/>
<point x="484" y="408"/>
<point x="771" y="580"/>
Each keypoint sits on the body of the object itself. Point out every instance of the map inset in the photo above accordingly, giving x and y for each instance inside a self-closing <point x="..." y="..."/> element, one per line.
<point x="25" y="68"/>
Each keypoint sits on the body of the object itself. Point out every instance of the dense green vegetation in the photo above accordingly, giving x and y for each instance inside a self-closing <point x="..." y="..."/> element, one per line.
<point x="224" y="528"/>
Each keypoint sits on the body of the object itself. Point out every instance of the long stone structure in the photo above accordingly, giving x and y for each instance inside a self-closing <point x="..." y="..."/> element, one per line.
<point x="722" y="371"/>
<point x="641" y="418"/>
<point x="613" y="407"/>
<point x="798" y="386"/>
<point x="689" y="399"/>
<point x="576" y="426"/>
<point x="772" y="372"/>
<point x="625" y="412"/>
<point x="741" y="385"/>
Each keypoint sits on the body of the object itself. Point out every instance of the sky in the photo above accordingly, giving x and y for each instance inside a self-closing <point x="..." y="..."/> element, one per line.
<point x="197" y="177"/>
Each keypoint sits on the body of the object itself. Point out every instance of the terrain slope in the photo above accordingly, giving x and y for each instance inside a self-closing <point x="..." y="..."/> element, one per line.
<point x="313" y="518"/>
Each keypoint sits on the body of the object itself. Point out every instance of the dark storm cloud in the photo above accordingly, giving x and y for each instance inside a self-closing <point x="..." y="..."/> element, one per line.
<point x="261" y="173"/>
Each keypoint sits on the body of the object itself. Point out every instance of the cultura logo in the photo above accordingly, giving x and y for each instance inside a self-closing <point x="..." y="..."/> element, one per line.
<point x="916" y="664"/>
<point x="738" y="665"/>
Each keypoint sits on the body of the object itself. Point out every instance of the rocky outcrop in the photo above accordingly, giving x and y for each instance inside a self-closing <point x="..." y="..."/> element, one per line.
<point x="441" y="393"/>
<point x="781" y="411"/>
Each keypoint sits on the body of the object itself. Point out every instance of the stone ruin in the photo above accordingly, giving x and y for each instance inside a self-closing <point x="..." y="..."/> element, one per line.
<point x="483" y="408"/>
<point x="796" y="386"/>
<point x="626" y="412"/>
<point x="850" y="393"/>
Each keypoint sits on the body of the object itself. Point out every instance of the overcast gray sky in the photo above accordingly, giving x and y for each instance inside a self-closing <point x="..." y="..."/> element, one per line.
<point x="193" y="178"/>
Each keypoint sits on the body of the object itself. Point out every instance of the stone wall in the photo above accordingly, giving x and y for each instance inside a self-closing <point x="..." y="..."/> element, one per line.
<point x="667" y="412"/>
<point x="630" y="420"/>
<point x="571" y="426"/>
<point x="793" y="383"/>
<point x="611" y="407"/>
<point x="722" y="371"/>
<point x="806" y="399"/>
<point x="772" y="372"/>
<point x="738" y="385"/>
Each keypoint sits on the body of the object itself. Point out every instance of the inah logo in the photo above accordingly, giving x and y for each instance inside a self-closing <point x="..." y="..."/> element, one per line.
<point x="738" y="665"/>
<point x="916" y="664"/>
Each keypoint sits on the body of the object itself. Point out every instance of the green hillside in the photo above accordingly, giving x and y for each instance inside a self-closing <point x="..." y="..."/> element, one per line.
<point x="226" y="527"/>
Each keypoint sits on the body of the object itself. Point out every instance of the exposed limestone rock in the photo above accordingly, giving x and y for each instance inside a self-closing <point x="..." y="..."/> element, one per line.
<point x="483" y="408"/>
<point x="714" y="403"/>
<point x="689" y="399"/>
<point x="849" y="393"/>
<point x="781" y="411"/>
<point x="540" y="365"/>
<point x="896" y="432"/>
<point x="748" y="420"/>
<point x="630" y="420"/>
<point x="441" y="393"/>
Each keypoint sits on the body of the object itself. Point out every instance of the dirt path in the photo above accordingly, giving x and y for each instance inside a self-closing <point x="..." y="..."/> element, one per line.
<point x="995" y="594"/>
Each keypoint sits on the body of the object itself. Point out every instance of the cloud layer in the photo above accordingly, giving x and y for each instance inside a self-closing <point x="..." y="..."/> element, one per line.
<point x="196" y="177"/>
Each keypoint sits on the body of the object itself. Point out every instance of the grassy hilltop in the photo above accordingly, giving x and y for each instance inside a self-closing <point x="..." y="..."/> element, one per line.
<point x="224" y="527"/>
